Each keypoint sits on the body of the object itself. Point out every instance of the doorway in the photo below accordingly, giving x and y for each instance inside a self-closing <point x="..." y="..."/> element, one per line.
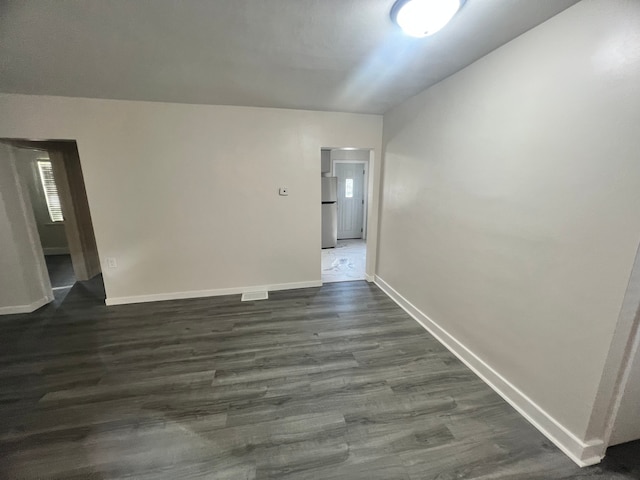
<point x="51" y="205"/>
<point x="36" y="172"/>
<point x="347" y="260"/>
<point x="350" y="177"/>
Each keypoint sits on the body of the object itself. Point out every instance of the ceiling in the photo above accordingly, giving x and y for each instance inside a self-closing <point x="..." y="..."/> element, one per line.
<point x="339" y="55"/>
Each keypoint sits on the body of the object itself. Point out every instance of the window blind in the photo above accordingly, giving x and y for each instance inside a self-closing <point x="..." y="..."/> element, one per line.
<point x="50" y="190"/>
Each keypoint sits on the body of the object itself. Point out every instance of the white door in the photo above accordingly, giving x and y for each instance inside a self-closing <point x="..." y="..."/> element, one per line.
<point x="350" y="199"/>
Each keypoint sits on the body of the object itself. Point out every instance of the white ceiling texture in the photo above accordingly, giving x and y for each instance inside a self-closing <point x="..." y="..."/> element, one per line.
<point x="339" y="55"/>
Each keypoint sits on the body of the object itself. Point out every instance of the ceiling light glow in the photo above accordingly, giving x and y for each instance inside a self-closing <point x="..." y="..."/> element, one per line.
<point x="420" y="18"/>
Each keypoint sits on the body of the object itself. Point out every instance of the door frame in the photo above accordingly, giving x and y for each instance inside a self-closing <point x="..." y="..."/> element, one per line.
<point x="623" y="348"/>
<point x="374" y="193"/>
<point x="365" y="189"/>
<point x="78" y="225"/>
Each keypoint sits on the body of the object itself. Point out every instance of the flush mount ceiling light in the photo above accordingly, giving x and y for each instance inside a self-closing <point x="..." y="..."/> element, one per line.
<point x="420" y="18"/>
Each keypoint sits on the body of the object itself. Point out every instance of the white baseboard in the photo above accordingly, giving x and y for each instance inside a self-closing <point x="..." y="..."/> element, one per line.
<point x="32" y="307"/>
<point x="159" y="297"/>
<point x="55" y="251"/>
<point x="582" y="453"/>
<point x="369" y="278"/>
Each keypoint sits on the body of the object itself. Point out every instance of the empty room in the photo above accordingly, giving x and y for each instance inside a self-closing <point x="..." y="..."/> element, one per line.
<point x="302" y="239"/>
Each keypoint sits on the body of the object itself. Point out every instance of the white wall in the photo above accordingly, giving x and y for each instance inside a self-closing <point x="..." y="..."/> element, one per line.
<point x="185" y="197"/>
<point x="627" y="423"/>
<point x="24" y="284"/>
<point x="510" y="217"/>
<point x="52" y="235"/>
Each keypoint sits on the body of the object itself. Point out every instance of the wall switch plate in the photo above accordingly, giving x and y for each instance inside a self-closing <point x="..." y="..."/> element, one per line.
<point x="284" y="191"/>
<point x="111" y="262"/>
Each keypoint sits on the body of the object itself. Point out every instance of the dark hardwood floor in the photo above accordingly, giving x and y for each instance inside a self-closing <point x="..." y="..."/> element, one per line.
<point x="60" y="270"/>
<point x="323" y="383"/>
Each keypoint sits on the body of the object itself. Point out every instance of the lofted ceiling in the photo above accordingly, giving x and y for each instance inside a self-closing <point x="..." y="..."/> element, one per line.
<point x="339" y="55"/>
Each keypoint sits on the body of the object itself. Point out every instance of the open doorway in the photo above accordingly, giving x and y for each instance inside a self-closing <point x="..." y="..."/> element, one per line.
<point x="345" y="205"/>
<point x="36" y="172"/>
<point x="52" y="206"/>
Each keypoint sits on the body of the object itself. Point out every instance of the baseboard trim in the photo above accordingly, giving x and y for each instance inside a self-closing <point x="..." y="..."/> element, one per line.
<point x="369" y="278"/>
<point x="160" y="297"/>
<point x="55" y="251"/>
<point x="32" y="307"/>
<point x="582" y="453"/>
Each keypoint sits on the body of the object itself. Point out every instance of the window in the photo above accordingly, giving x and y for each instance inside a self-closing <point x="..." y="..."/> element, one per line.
<point x="50" y="190"/>
<point x="348" y="188"/>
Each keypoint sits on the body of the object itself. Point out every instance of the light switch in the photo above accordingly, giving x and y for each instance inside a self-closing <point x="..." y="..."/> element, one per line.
<point x="284" y="191"/>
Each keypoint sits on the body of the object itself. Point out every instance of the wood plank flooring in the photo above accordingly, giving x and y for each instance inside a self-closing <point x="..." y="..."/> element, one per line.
<point x="60" y="270"/>
<point x="323" y="383"/>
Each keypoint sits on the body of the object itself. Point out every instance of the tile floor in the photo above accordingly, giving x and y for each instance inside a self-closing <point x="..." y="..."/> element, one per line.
<point x="344" y="263"/>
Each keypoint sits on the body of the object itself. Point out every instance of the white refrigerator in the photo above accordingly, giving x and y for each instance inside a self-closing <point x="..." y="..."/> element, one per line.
<point x="329" y="211"/>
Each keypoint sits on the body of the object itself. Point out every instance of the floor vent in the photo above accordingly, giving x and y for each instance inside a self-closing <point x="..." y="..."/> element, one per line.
<point x="251" y="296"/>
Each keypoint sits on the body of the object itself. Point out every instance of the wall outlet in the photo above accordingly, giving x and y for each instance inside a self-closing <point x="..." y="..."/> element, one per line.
<point x="111" y="262"/>
<point x="284" y="191"/>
